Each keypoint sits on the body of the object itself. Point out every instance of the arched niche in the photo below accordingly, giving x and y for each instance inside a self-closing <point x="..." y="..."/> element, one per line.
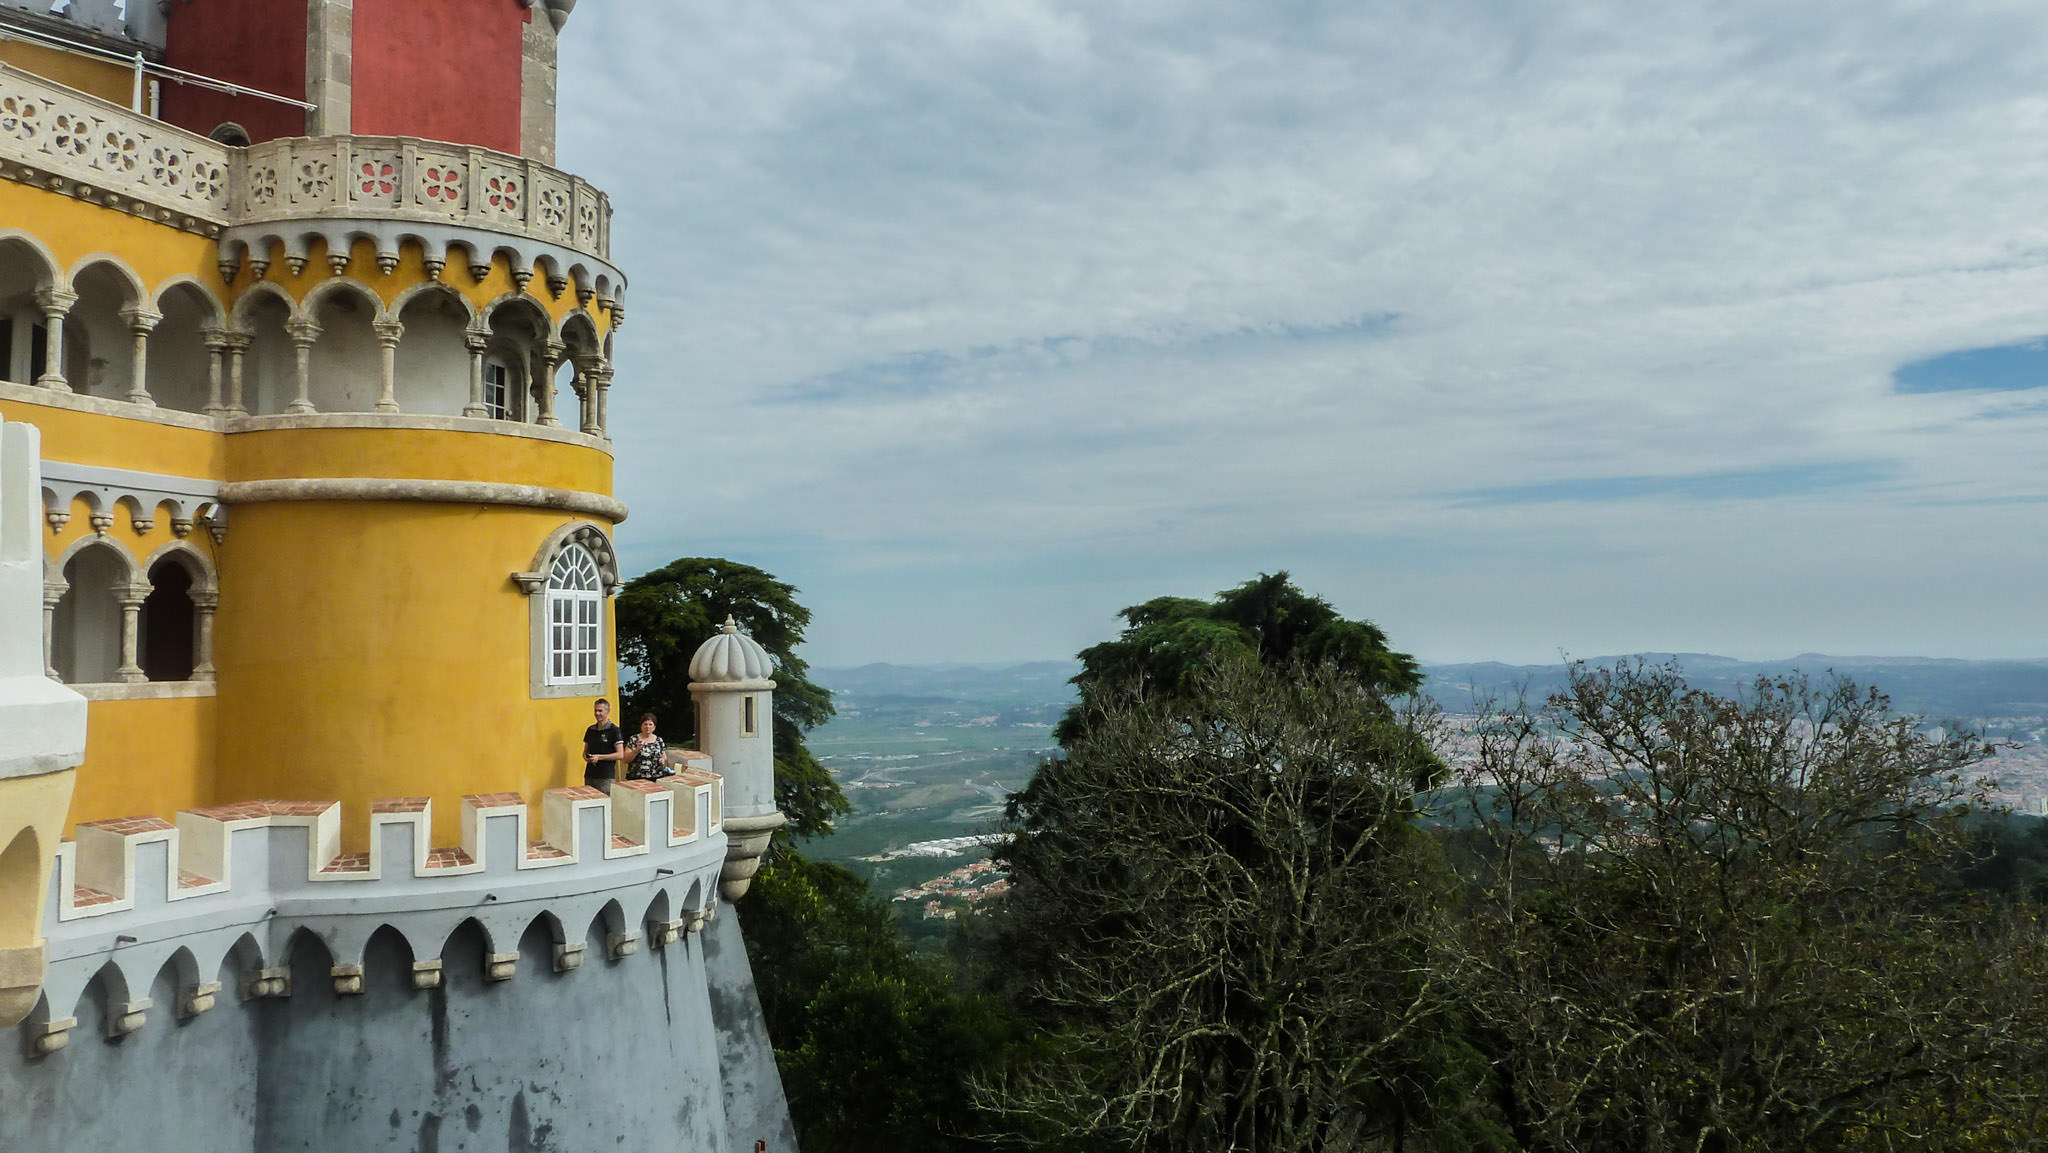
<point x="433" y="351"/>
<point x="27" y="273"/>
<point x="99" y="346"/>
<point x="347" y="359"/>
<point x="86" y="629"/>
<point x="268" y="364"/>
<point x="180" y="364"/>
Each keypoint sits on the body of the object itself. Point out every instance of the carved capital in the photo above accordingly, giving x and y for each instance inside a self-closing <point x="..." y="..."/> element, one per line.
<point x="303" y="332"/>
<point x="55" y="301"/>
<point x="141" y="321"/>
<point x="388" y="332"/>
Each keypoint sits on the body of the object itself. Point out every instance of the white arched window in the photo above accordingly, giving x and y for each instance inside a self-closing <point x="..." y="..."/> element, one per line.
<point x="575" y="615"/>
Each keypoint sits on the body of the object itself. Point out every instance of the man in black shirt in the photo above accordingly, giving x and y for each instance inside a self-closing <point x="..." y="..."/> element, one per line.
<point x="604" y="746"/>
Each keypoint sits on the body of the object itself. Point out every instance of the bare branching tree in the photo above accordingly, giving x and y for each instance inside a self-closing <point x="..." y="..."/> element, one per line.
<point x="1704" y="924"/>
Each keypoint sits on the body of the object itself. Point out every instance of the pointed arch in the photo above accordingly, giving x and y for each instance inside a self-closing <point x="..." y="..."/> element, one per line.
<point x="388" y="959"/>
<point x="120" y="270"/>
<point x="432" y="364"/>
<point x="49" y="272"/>
<point x="202" y="293"/>
<point x="205" y="578"/>
<point x="238" y="316"/>
<point x="89" y="637"/>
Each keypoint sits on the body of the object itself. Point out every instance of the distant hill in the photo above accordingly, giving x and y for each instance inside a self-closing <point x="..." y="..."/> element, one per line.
<point x="1938" y="688"/>
<point x="1035" y="682"/>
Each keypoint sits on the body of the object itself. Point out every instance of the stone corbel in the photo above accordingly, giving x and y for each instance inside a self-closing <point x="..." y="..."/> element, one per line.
<point x="348" y="980"/>
<point x="568" y="956"/>
<point x="216" y="522"/>
<point x="426" y="974"/>
<point x="622" y="944"/>
<point x="46" y="1037"/>
<point x="197" y="999"/>
<point x="268" y="983"/>
<point x="125" y="1017"/>
<point x="501" y="966"/>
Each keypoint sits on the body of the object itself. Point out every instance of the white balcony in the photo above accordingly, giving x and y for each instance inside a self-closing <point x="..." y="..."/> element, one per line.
<point x="282" y="194"/>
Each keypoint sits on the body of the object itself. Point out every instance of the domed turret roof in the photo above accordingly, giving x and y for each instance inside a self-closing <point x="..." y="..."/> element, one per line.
<point x="730" y="655"/>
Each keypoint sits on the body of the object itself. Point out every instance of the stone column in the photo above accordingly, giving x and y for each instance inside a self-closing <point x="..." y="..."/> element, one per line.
<point x="216" y="348"/>
<point x="237" y="348"/>
<point x="56" y="305"/>
<point x="388" y="332"/>
<point x="131" y="672"/>
<point x="603" y="389"/>
<point x="585" y="385"/>
<point x="550" y="358"/>
<point x="202" y="642"/>
<point x="141" y="322"/>
<point x="477" y="343"/>
<point x="52" y="593"/>
<point x="303" y="333"/>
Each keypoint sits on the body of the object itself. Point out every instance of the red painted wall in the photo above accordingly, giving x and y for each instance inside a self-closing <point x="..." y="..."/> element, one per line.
<point x="439" y="69"/>
<point x="256" y="43"/>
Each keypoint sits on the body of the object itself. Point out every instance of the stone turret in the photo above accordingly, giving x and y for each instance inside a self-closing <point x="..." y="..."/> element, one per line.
<point x="730" y="681"/>
<point x="42" y="728"/>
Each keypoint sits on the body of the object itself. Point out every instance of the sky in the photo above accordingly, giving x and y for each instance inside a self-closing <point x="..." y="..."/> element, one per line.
<point x="1521" y="330"/>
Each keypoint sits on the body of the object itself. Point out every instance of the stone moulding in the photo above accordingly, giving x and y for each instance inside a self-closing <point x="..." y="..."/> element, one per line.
<point x="429" y="491"/>
<point x="287" y="192"/>
<point x="241" y="880"/>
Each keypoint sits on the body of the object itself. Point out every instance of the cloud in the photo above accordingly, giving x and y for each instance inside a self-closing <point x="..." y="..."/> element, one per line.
<point x="1145" y="298"/>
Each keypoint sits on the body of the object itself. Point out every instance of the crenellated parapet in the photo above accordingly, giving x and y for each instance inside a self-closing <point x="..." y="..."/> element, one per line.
<point x="224" y="895"/>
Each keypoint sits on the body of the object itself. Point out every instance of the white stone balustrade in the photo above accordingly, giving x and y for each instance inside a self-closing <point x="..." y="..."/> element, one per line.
<point x="389" y="189"/>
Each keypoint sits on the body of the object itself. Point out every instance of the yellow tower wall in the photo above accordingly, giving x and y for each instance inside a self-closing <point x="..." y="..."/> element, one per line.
<point x="382" y="650"/>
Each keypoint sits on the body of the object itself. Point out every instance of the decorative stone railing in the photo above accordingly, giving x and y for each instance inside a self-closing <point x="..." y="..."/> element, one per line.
<point x="397" y="178"/>
<point x="384" y="187"/>
<point x="62" y="139"/>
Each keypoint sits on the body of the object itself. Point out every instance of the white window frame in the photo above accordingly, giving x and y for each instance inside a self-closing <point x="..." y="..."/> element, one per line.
<point x="575" y="619"/>
<point x="581" y="611"/>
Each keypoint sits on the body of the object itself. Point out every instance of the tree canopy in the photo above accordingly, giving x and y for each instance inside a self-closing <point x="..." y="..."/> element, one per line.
<point x="1709" y="923"/>
<point x="1168" y="642"/>
<point x="1249" y="913"/>
<point x="664" y="615"/>
<point x="1229" y="926"/>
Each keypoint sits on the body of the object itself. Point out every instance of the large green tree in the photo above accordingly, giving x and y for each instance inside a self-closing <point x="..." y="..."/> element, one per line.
<point x="664" y="615"/>
<point x="1225" y="916"/>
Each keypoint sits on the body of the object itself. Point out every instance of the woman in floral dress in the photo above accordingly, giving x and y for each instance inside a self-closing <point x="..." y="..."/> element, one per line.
<point x="646" y="753"/>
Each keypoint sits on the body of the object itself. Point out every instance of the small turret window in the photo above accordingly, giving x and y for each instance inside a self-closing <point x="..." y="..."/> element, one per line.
<point x="750" y="725"/>
<point x="575" y="616"/>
